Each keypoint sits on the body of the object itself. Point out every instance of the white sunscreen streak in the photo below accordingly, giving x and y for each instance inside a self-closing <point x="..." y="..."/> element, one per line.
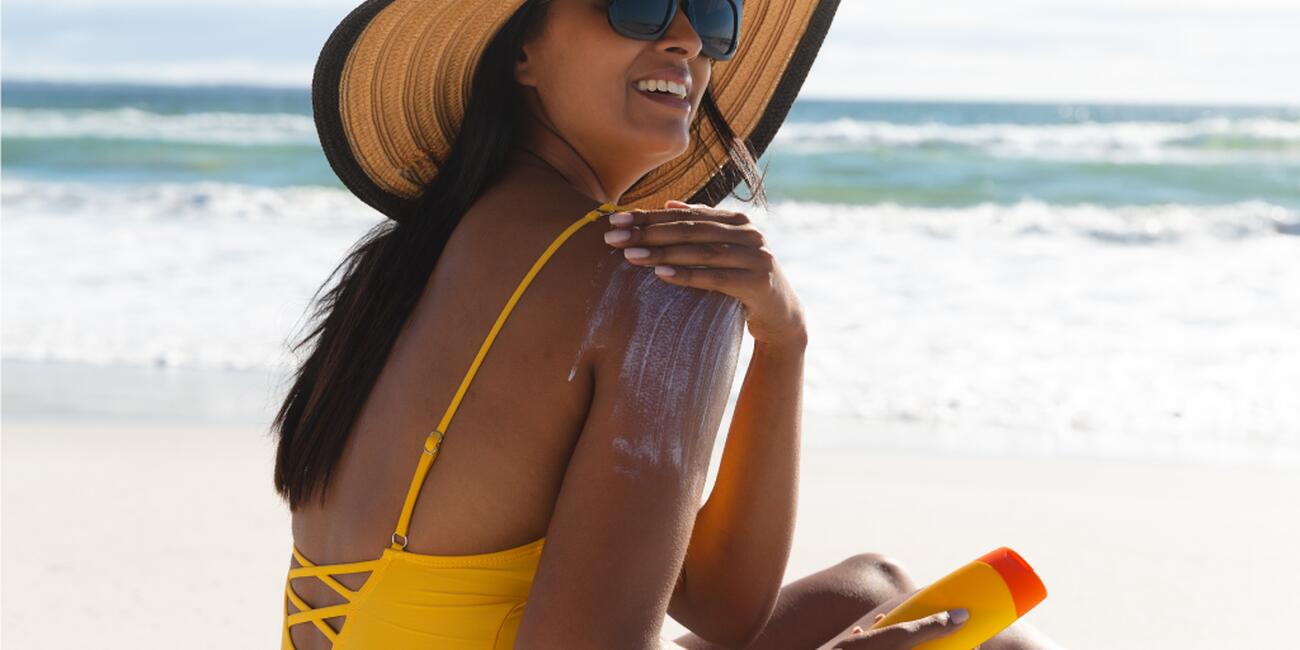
<point x="608" y="300"/>
<point x="660" y="380"/>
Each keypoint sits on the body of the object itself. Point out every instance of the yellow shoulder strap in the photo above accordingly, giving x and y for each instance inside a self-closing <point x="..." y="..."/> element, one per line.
<point x="435" y="437"/>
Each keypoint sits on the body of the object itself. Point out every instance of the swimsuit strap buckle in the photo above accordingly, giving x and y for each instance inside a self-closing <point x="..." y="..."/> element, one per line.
<point x="401" y="544"/>
<point x="436" y="437"/>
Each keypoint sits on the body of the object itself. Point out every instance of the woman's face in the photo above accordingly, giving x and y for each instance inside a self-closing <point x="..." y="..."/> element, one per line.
<point x="586" y="75"/>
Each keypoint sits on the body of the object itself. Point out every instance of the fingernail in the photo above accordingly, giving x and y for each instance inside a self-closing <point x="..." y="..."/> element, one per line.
<point x="958" y="616"/>
<point x="665" y="270"/>
<point x="620" y="218"/>
<point x="613" y="236"/>
<point x="636" y="252"/>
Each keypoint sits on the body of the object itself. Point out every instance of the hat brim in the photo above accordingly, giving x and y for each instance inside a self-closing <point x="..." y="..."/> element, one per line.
<point x="390" y="87"/>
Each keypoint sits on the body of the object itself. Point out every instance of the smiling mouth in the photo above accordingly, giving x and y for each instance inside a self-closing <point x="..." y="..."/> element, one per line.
<point x="667" y="99"/>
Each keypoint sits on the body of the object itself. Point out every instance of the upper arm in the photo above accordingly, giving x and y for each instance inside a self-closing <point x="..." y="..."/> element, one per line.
<point x="664" y="360"/>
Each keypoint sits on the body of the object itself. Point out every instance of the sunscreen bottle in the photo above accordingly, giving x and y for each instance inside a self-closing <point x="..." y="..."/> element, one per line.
<point x="995" y="589"/>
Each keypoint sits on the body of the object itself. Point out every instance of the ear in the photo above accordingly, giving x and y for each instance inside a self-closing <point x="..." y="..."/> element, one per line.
<point x="524" y="68"/>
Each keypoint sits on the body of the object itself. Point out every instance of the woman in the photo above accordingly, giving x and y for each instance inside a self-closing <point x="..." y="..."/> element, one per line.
<point x="588" y="432"/>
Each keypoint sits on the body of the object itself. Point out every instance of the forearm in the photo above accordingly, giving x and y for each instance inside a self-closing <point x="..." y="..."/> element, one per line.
<point x="741" y="541"/>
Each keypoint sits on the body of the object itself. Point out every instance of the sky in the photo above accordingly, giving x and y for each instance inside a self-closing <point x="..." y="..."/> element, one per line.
<point x="1128" y="51"/>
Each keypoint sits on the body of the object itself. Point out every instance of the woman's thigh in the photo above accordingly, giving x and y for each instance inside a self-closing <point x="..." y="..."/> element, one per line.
<point x="816" y="608"/>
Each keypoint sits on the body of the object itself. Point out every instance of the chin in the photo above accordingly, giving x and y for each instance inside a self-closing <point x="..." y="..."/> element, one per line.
<point x="665" y="146"/>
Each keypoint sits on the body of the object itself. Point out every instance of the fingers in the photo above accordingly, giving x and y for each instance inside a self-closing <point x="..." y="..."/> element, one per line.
<point x="685" y="231"/>
<point x="680" y="211"/>
<point x="728" y="281"/>
<point x="722" y="256"/>
<point x="910" y="633"/>
<point x="696" y="243"/>
<point x="698" y="246"/>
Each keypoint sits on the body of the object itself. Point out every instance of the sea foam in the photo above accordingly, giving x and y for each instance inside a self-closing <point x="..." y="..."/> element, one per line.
<point x="1166" y="329"/>
<point x="1214" y="139"/>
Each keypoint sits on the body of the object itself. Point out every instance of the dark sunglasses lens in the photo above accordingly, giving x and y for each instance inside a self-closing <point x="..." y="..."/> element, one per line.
<point x="717" y="23"/>
<point x="645" y="18"/>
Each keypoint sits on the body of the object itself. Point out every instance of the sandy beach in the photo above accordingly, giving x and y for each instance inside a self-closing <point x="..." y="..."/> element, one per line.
<point x="159" y="535"/>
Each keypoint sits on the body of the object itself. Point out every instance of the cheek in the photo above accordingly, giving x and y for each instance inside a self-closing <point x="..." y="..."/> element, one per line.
<point x="702" y="76"/>
<point x="587" y="88"/>
<point x="586" y="67"/>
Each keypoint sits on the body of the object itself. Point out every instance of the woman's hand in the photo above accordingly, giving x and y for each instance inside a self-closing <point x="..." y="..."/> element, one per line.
<point x="720" y="250"/>
<point x="905" y="635"/>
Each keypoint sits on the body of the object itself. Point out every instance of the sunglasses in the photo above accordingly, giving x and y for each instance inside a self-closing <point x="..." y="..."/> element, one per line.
<point x="716" y="21"/>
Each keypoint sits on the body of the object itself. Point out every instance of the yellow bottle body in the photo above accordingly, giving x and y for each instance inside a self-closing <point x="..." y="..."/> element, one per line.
<point x="976" y="587"/>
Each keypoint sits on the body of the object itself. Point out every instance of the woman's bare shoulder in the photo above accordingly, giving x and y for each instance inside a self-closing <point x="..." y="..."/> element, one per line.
<point x="621" y="308"/>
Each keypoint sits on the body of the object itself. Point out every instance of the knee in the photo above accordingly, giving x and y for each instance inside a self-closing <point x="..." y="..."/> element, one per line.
<point x="842" y="592"/>
<point x="881" y="573"/>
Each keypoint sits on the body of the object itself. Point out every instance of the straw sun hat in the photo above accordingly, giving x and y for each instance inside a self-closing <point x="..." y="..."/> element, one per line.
<point x="392" y="81"/>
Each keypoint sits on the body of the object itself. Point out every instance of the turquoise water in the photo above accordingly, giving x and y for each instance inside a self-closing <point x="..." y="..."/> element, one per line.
<point x="909" y="153"/>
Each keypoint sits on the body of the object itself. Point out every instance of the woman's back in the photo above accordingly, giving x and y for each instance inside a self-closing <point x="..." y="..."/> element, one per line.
<point x="499" y="473"/>
<point x="516" y="419"/>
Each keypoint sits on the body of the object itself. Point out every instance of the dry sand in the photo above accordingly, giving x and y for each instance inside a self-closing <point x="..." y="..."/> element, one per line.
<point x="156" y="536"/>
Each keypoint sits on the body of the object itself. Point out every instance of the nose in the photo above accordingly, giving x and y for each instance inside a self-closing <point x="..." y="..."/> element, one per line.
<point x="681" y="37"/>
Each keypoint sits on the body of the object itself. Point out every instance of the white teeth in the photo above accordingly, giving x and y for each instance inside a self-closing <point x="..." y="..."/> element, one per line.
<point x="663" y="86"/>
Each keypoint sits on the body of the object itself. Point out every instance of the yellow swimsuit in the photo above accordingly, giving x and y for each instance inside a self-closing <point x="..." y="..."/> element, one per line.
<point x="412" y="600"/>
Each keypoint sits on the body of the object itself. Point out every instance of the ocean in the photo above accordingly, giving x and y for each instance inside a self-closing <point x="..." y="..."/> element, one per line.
<point x="1061" y="279"/>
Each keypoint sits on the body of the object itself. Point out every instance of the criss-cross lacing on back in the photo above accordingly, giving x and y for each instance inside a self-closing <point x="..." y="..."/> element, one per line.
<point x="317" y="616"/>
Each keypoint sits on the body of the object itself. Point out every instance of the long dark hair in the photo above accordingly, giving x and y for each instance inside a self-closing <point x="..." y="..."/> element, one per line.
<point x="384" y="274"/>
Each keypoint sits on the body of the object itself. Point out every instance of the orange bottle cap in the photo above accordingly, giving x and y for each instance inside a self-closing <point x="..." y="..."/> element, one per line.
<point x="1026" y="588"/>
